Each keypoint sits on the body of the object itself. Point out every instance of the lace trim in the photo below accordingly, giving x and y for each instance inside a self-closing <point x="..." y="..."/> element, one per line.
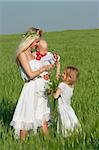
<point x="27" y="126"/>
<point x="21" y="125"/>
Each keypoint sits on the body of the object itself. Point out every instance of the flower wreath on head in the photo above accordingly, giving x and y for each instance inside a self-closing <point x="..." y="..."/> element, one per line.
<point x="32" y="31"/>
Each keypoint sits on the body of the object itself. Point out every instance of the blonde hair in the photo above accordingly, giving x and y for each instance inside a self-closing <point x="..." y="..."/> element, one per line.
<point x="72" y="74"/>
<point x="27" y="39"/>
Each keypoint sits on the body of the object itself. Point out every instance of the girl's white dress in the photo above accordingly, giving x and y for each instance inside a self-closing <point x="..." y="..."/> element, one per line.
<point x="67" y="120"/>
<point x="32" y="108"/>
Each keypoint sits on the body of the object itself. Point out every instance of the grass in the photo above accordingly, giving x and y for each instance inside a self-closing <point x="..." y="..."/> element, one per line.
<point x="76" y="47"/>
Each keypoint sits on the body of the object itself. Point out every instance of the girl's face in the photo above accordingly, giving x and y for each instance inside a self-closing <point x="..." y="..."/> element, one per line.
<point x="69" y="77"/>
<point x="64" y="76"/>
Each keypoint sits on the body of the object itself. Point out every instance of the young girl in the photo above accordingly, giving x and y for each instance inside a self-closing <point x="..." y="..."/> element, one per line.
<point x="67" y="120"/>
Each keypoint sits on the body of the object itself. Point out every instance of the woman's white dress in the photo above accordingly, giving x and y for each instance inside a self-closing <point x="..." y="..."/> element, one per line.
<point x="67" y="120"/>
<point x="32" y="109"/>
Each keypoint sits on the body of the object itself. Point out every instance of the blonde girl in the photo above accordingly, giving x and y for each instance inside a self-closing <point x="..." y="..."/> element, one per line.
<point x="67" y="120"/>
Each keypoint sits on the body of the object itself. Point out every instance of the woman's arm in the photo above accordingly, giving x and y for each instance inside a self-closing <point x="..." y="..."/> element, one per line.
<point x="31" y="74"/>
<point x="57" y="94"/>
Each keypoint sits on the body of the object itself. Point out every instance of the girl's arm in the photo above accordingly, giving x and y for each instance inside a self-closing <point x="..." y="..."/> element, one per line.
<point x="31" y="74"/>
<point x="58" y="70"/>
<point x="57" y="94"/>
<point x="57" y="62"/>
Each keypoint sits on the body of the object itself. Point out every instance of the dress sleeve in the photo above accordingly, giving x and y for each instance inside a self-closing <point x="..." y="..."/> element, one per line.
<point x="61" y="86"/>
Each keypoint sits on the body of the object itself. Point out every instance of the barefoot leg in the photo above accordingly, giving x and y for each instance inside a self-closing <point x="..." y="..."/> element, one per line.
<point x="23" y="134"/>
<point x="45" y="128"/>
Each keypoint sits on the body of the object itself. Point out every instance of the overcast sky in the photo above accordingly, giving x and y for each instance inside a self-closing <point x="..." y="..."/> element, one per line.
<point x="50" y="15"/>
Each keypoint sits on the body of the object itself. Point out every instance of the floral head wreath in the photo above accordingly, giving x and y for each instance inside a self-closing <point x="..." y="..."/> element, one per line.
<point x="32" y="31"/>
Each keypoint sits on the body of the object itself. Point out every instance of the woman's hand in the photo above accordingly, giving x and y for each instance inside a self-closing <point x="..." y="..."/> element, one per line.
<point x="47" y="67"/>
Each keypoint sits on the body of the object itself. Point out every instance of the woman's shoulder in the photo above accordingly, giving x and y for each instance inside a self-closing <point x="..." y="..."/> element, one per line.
<point x="22" y="58"/>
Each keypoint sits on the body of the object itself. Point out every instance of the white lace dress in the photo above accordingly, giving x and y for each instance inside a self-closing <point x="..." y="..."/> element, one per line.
<point x="31" y="110"/>
<point x="67" y="120"/>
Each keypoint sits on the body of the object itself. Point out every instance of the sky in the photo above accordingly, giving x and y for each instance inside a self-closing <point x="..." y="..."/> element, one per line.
<point x="50" y="15"/>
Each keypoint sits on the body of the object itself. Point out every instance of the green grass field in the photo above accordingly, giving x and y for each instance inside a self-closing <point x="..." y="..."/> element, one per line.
<point x="79" y="48"/>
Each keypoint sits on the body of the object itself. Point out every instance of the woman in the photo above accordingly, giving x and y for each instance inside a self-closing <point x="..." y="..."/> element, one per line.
<point x="24" y="117"/>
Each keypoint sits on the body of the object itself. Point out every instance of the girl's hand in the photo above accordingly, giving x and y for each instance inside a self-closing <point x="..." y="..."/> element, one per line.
<point x="56" y="57"/>
<point x="49" y="92"/>
<point x="58" y="67"/>
<point x="58" y="60"/>
<point x="58" y="76"/>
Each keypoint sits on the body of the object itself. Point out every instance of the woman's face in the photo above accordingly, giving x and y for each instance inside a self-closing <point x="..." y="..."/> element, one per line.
<point x="34" y="44"/>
